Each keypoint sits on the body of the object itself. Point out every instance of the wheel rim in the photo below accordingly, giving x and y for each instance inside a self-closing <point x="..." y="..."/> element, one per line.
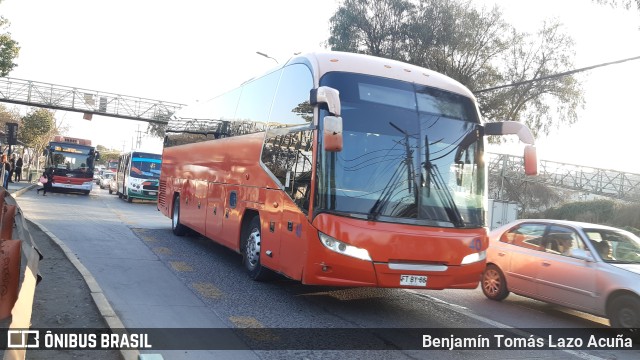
<point x="491" y="282"/>
<point x="253" y="248"/>
<point x="628" y="318"/>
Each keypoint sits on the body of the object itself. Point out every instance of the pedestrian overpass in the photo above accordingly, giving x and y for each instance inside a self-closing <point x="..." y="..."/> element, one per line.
<point x="89" y="102"/>
<point x="603" y="182"/>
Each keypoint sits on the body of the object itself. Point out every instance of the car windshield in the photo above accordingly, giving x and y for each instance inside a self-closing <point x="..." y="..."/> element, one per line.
<point x="411" y="154"/>
<point x="145" y="166"/>
<point x="615" y="246"/>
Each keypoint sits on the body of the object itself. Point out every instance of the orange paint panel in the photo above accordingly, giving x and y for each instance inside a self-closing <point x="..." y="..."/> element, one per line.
<point x="400" y="242"/>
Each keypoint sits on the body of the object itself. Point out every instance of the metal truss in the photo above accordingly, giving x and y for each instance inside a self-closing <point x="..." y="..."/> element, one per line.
<point x="604" y="182"/>
<point x="58" y="97"/>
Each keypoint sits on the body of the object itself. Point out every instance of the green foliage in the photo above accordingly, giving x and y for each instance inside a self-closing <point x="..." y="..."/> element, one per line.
<point x="474" y="46"/>
<point x="606" y="212"/>
<point x="36" y="127"/>
<point x="7" y="115"/>
<point x="9" y="49"/>
<point x="107" y="155"/>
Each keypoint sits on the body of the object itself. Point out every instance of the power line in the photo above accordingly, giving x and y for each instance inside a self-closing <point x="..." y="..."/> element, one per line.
<point x="570" y="72"/>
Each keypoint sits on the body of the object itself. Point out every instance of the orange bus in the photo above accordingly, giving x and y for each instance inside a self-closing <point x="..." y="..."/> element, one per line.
<point x="338" y="169"/>
<point x="72" y="160"/>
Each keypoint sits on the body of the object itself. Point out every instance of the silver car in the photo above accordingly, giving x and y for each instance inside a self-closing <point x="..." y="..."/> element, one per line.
<point x="587" y="267"/>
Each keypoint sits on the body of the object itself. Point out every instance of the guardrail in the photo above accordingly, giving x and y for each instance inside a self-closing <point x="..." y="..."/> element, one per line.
<point x="19" y="264"/>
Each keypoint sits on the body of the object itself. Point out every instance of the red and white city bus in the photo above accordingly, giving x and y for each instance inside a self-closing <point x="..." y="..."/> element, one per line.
<point x="339" y="169"/>
<point x="72" y="160"/>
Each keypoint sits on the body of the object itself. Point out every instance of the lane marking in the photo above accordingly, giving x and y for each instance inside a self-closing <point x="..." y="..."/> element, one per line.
<point x="467" y="312"/>
<point x="180" y="266"/>
<point x="207" y="290"/>
<point x="162" y="250"/>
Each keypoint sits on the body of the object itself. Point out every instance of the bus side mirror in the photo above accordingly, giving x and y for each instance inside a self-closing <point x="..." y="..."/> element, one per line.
<point x="326" y="95"/>
<point x="97" y="157"/>
<point x="332" y="133"/>
<point x="530" y="160"/>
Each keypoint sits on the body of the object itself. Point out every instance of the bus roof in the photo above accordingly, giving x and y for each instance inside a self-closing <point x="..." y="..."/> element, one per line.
<point x="325" y="62"/>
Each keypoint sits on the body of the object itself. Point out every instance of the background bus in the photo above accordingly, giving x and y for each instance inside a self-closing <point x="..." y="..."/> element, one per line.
<point x="137" y="175"/>
<point x="112" y="165"/>
<point x="393" y="196"/>
<point x="72" y="161"/>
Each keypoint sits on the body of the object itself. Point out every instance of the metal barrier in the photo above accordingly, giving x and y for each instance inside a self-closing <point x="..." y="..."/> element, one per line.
<point x="19" y="263"/>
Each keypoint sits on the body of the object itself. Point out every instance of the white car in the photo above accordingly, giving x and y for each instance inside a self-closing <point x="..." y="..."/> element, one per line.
<point x="105" y="179"/>
<point x="587" y="267"/>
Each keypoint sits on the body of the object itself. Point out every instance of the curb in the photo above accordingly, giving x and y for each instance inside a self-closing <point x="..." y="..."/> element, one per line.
<point x="105" y="309"/>
<point x="107" y="312"/>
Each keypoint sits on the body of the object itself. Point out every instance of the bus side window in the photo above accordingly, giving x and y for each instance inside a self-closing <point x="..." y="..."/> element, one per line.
<point x="289" y="157"/>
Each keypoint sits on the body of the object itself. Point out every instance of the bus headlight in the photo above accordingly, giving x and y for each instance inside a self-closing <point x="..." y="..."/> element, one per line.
<point x="343" y="248"/>
<point x="475" y="257"/>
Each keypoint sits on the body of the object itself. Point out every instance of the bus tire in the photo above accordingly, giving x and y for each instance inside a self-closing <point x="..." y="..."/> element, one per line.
<point x="119" y="195"/>
<point x="110" y="191"/>
<point x="177" y="228"/>
<point x="250" y="247"/>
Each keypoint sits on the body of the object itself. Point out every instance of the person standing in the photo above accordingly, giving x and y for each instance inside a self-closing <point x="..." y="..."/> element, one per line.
<point x="6" y="168"/>
<point x="12" y="164"/>
<point x="48" y="184"/>
<point x="18" y="171"/>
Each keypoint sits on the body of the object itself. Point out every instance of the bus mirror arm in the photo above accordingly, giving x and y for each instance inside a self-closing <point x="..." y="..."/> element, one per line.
<point x="326" y="95"/>
<point x="510" y="128"/>
<point x="524" y="134"/>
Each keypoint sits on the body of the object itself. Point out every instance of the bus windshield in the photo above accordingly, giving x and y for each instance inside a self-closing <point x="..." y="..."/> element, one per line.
<point x="411" y="154"/>
<point x="145" y="166"/>
<point x="71" y="160"/>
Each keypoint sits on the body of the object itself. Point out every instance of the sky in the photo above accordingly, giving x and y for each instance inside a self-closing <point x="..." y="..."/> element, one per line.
<point x="189" y="50"/>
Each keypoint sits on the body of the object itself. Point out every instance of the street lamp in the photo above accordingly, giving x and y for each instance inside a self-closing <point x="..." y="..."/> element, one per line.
<point x="267" y="56"/>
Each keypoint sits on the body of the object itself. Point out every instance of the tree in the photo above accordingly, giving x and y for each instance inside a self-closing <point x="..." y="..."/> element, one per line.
<point x="9" y="49"/>
<point x="625" y="4"/>
<point x="106" y="154"/>
<point x="7" y="116"/>
<point x="474" y="46"/>
<point x="38" y="127"/>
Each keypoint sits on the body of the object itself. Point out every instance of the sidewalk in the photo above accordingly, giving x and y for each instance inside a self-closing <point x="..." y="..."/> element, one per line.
<point x="62" y="299"/>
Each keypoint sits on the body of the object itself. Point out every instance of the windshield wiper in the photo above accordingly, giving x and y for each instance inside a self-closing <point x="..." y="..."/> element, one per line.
<point x="434" y="175"/>
<point x="388" y="190"/>
<point x="385" y="197"/>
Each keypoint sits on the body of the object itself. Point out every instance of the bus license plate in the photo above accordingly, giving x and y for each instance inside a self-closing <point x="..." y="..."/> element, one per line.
<point x="413" y="280"/>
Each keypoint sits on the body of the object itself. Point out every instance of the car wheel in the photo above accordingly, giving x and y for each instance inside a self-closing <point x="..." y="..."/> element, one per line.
<point x="624" y="312"/>
<point x="494" y="285"/>
<point x="177" y="228"/>
<point x="250" y="247"/>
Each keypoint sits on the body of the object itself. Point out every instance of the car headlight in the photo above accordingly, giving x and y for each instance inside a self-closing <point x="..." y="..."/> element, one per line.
<point x="343" y="248"/>
<point x="475" y="257"/>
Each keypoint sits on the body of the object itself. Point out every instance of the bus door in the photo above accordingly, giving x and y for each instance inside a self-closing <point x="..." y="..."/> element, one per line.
<point x="271" y="229"/>
<point x="293" y="240"/>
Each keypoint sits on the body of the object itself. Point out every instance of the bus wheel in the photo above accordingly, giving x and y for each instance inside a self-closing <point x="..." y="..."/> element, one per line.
<point x="250" y="247"/>
<point x="177" y="228"/>
<point x="120" y="195"/>
<point x="110" y="192"/>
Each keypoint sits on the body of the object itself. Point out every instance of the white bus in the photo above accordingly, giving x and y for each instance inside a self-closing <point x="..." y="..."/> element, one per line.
<point x="138" y="175"/>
